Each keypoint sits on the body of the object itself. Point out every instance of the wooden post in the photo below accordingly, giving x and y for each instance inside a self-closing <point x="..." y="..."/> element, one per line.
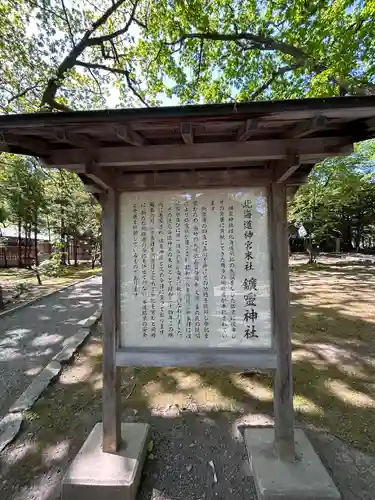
<point x="111" y="374"/>
<point x="283" y="381"/>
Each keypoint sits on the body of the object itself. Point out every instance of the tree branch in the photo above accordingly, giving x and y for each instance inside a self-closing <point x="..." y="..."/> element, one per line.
<point x="22" y="93"/>
<point x="281" y="71"/>
<point x="49" y="95"/>
<point x="118" y="71"/>
<point x="103" y="67"/>
<point x="135" y="92"/>
<point x="105" y="38"/>
<point x="257" y="42"/>
<point x="199" y="64"/>
<point x="68" y="23"/>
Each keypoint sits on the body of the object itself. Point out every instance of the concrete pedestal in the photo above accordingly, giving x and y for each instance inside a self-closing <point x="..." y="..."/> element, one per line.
<point x="99" y="476"/>
<point x="278" y="480"/>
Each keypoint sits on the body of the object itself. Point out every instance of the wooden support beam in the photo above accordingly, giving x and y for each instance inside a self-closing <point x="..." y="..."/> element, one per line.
<point x="193" y="179"/>
<point x="34" y="145"/>
<point x="129" y="136"/>
<point x="370" y="124"/>
<point x="187" y="133"/>
<point x="286" y="168"/>
<point x="4" y="148"/>
<point x="310" y="151"/>
<point x="105" y="178"/>
<point x="93" y="188"/>
<point x="111" y="374"/>
<point x="81" y="141"/>
<point x="283" y="381"/>
<point x="308" y="127"/>
<point x="246" y="131"/>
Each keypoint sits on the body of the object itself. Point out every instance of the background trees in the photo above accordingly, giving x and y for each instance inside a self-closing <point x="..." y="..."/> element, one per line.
<point x="339" y="200"/>
<point x="54" y="203"/>
<point x="59" y="54"/>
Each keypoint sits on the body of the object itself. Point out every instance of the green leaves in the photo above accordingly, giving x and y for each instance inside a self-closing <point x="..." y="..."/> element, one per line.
<point x="339" y="197"/>
<point x="195" y="51"/>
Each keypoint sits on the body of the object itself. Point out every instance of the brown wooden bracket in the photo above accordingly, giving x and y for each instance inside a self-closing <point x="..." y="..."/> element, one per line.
<point x="4" y="148"/>
<point x="81" y="141"/>
<point x="370" y="124"/>
<point x="343" y="146"/>
<point x="247" y="130"/>
<point x="187" y="134"/>
<point x="308" y="127"/>
<point x="38" y="147"/>
<point x="129" y="136"/>
<point x="102" y="177"/>
<point x="284" y="169"/>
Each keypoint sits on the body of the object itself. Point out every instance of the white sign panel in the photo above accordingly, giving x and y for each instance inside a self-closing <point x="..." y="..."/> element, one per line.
<point x="195" y="269"/>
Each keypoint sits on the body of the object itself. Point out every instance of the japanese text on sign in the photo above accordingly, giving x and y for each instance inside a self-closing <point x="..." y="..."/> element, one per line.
<point x="195" y="271"/>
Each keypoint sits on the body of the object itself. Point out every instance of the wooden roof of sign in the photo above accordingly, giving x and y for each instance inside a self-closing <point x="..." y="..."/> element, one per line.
<point x="207" y="141"/>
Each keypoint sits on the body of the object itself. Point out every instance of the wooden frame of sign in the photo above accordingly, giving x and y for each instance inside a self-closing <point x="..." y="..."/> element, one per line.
<point x="277" y="357"/>
<point x="273" y="145"/>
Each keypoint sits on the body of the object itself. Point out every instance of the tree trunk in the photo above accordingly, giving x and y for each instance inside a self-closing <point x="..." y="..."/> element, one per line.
<point x="25" y="245"/>
<point x="337" y="245"/>
<point x="5" y="257"/>
<point x="38" y="276"/>
<point x="36" y="243"/>
<point x="75" y="251"/>
<point x="29" y="247"/>
<point x="68" y="246"/>
<point x="311" y="251"/>
<point x="19" y="243"/>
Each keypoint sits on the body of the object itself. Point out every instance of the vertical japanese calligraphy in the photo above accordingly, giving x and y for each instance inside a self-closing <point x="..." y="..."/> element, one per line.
<point x="135" y="250"/>
<point x="144" y="269"/>
<point x="223" y="283"/>
<point x="178" y="269"/>
<point x="232" y="271"/>
<point x="249" y="283"/>
<point x="170" y="272"/>
<point x="195" y="271"/>
<point x="153" y="268"/>
<point x="206" y="323"/>
<point x="196" y="262"/>
<point x="188" y="324"/>
<point x="161" y="268"/>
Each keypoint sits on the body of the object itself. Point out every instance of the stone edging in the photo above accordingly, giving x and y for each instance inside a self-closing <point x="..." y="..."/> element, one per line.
<point x="10" y="425"/>
<point x="35" y="299"/>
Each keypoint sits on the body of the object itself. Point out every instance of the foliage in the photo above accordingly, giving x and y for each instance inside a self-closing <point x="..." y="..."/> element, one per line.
<point x="55" y="202"/>
<point x="60" y="55"/>
<point x="74" y="55"/>
<point x="52" y="266"/>
<point x="339" y="198"/>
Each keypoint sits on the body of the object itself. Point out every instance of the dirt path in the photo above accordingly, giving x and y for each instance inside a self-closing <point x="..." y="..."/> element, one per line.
<point x="29" y="337"/>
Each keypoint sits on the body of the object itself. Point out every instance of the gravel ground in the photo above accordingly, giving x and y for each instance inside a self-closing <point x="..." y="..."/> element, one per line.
<point x="30" y="336"/>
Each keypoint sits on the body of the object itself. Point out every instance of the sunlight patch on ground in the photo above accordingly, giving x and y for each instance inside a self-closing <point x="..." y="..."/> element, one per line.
<point x="349" y="395"/>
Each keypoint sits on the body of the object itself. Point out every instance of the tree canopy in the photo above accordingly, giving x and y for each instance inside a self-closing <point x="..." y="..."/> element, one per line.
<point x="61" y="54"/>
<point x="339" y="200"/>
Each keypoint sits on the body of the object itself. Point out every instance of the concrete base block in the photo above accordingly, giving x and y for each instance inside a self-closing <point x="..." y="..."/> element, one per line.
<point x="101" y="476"/>
<point x="275" y="479"/>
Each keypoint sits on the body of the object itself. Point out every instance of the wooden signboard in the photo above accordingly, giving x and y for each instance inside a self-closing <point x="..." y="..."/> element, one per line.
<point x="194" y="276"/>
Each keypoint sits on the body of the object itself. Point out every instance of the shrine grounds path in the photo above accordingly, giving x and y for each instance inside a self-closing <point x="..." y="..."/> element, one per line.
<point x="31" y="336"/>
<point x="196" y="416"/>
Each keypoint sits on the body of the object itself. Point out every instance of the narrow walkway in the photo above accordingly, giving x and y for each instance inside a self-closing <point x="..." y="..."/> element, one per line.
<point x="31" y="336"/>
